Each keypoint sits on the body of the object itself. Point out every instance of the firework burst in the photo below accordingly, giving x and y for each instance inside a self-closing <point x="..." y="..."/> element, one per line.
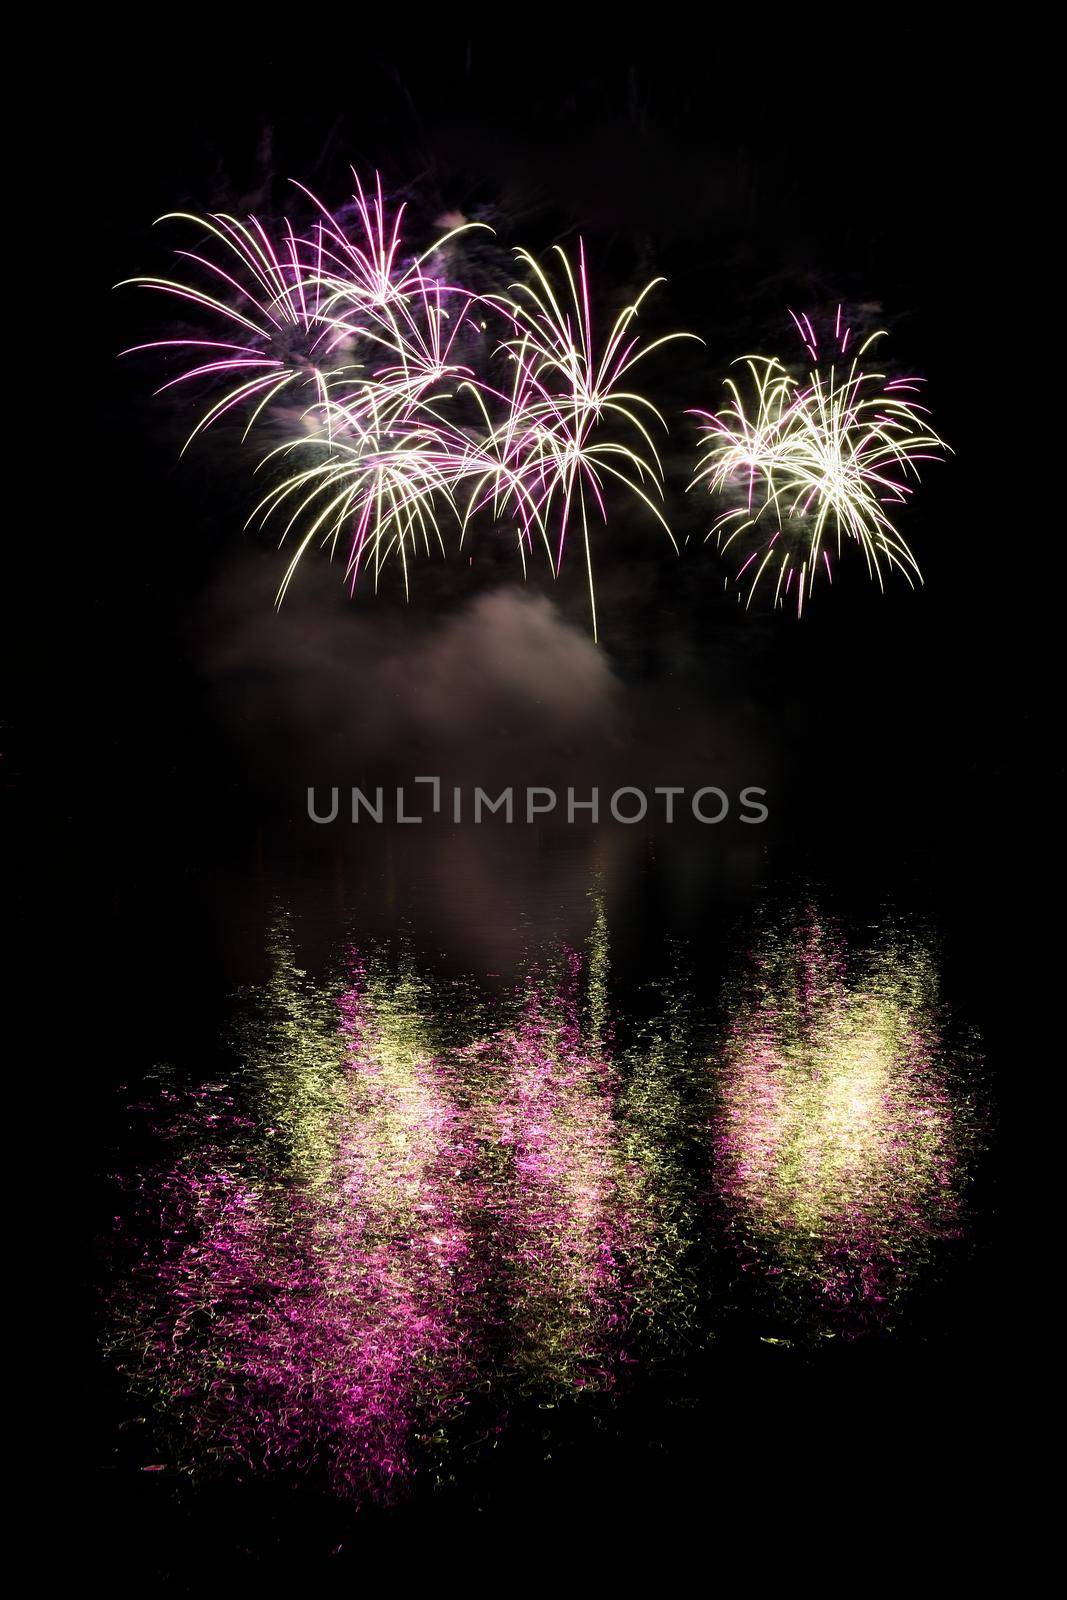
<point x="304" y="317"/>
<point x="282" y="340"/>
<point x="406" y="402"/>
<point x="425" y="439"/>
<point x="566" y="387"/>
<point x="806" y="466"/>
<point x="380" y="484"/>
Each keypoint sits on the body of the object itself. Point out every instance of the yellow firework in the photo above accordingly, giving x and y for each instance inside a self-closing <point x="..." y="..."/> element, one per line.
<point x="803" y="467"/>
<point x="566" y="386"/>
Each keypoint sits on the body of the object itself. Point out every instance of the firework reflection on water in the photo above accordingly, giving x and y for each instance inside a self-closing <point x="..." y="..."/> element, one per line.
<point x="416" y="1208"/>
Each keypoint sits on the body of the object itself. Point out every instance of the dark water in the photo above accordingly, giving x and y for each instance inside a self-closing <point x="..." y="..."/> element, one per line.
<point x="460" y="1193"/>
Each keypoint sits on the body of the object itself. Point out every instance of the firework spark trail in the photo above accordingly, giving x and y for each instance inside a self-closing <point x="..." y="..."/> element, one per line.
<point x="290" y="341"/>
<point x="355" y="348"/>
<point x="381" y="481"/>
<point x="411" y="316"/>
<point x="319" y="310"/>
<point x="397" y="460"/>
<point x="397" y="427"/>
<point x="812" y="464"/>
<point x="372" y="334"/>
<point x="565" y="387"/>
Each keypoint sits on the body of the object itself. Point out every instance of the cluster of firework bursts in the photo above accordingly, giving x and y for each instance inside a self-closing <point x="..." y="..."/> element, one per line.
<point x="805" y="465"/>
<point x="408" y="405"/>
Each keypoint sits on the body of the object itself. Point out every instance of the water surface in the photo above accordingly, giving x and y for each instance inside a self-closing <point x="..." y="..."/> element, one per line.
<point x="422" y="1207"/>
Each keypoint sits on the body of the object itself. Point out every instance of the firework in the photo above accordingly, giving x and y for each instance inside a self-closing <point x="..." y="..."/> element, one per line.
<point x="404" y="406"/>
<point x="805" y="466"/>
<point x="366" y="359"/>
<point x="400" y="454"/>
<point x="305" y="316"/>
<point x="404" y="320"/>
<point x="282" y="341"/>
<point x="565" y="387"/>
<point x="380" y="483"/>
<point x="351" y="344"/>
